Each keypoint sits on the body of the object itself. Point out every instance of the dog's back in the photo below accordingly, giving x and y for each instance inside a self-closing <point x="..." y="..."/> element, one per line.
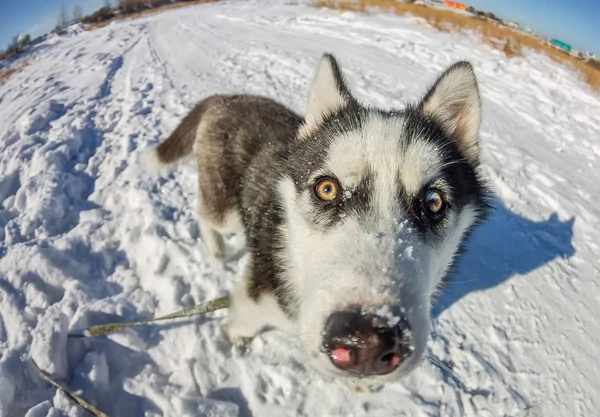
<point x="234" y="138"/>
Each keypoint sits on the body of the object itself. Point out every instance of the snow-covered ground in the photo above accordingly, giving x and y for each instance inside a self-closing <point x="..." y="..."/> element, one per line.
<point x="87" y="236"/>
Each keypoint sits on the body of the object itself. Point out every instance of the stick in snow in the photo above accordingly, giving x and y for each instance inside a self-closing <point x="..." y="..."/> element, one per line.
<point x="199" y="309"/>
<point x="80" y="401"/>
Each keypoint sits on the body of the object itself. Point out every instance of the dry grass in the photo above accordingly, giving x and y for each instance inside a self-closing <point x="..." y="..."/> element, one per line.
<point x="500" y="37"/>
<point x="179" y="5"/>
<point x="4" y="76"/>
<point x="92" y="26"/>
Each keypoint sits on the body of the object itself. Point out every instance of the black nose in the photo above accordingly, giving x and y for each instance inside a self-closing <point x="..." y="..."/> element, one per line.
<point x="365" y="344"/>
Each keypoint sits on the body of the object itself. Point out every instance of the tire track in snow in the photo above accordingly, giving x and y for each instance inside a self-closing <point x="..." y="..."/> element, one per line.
<point x="105" y="88"/>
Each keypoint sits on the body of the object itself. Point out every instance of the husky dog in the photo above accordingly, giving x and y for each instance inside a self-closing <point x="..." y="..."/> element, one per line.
<point x="353" y="215"/>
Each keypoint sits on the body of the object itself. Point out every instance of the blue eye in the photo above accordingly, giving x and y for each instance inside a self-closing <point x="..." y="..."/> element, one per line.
<point x="433" y="202"/>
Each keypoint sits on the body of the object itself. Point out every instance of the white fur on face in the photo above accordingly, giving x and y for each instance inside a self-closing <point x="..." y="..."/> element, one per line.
<point x="374" y="260"/>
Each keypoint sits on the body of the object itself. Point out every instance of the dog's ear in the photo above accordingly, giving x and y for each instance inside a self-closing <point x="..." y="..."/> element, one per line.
<point x="453" y="102"/>
<point x="328" y="92"/>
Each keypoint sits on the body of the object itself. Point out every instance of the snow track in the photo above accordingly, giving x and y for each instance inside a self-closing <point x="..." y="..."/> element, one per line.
<point x="87" y="236"/>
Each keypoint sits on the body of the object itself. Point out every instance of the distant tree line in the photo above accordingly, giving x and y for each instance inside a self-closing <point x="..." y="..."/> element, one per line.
<point x="135" y="6"/>
<point x="16" y="46"/>
<point x="105" y="13"/>
<point x="64" y="19"/>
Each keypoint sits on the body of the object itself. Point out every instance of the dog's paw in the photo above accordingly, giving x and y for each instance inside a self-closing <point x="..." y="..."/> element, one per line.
<point x="237" y="340"/>
<point x="219" y="253"/>
<point x="242" y="343"/>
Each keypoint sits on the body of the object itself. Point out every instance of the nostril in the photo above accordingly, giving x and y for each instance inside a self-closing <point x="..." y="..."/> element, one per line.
<point x="391" y="360"/>
<point x="388" y="357"/>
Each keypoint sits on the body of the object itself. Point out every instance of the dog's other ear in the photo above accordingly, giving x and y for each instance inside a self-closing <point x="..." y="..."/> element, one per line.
<point x="453" y="102"/>
<point x="328" y="92"/>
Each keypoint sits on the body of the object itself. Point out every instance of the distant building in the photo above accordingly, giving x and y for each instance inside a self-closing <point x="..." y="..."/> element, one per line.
<point x="528" y="30"/>
<point x="512" y="25"/>
<point x="491" y="16"/>
<point x="455" y="5"/>
<point x="561" y="45"/>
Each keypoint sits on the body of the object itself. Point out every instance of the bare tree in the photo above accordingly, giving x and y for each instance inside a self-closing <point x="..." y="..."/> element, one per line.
<point x="63" y="18"/>
<point x="131" y="6"/>
<point x="77" y="13"/>
<point x="25" y="40"/>
<point x="17" y="44"/>
<point x="107" y="5"/>
<point x="13" y="46"/>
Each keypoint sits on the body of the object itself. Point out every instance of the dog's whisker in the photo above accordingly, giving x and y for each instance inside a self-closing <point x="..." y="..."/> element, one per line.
<point x="450" y="163"/>
<point x="461" y="282"/>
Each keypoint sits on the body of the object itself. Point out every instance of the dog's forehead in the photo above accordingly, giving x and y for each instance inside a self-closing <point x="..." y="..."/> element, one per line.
<point x="385" y="148"/>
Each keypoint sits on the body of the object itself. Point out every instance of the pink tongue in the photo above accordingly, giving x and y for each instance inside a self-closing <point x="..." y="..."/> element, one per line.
<point x="395" y="361"/>
<point x="340" y="356"/>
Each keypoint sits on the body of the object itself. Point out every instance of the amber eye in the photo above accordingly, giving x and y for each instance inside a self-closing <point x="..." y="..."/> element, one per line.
<point x="434" y="202"/>
<point x="326" y="189"/>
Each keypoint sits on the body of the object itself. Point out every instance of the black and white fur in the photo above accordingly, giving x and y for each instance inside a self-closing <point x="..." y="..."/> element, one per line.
<point x="376" y="248"/>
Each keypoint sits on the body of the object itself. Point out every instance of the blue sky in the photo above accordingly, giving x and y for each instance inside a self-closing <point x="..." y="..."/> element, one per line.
<point x="36" y="16"/>
<point x="574" y="21"/>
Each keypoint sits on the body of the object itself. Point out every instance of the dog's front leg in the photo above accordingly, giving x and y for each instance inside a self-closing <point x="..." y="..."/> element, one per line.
<point x="249" y="317"/>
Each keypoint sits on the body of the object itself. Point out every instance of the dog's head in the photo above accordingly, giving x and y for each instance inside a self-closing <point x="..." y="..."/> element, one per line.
<point x="376" y="207"/>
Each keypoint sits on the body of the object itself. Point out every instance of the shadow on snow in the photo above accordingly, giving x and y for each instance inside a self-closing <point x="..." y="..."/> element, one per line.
<point x="506" y="245"/>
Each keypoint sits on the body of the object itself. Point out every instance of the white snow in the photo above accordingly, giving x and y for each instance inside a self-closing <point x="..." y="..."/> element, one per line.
<point x="49" y="342"/>
<point x="387" y="313"/>
<point x="87" y="236"/>
<point x="7" y="394"/>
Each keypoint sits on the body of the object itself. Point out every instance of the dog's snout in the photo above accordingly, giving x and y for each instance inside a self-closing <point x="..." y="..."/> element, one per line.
<point x="365" y="344"/>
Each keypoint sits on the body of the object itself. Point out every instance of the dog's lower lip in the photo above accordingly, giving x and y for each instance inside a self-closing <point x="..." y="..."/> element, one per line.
<point x="342" y="356"/>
